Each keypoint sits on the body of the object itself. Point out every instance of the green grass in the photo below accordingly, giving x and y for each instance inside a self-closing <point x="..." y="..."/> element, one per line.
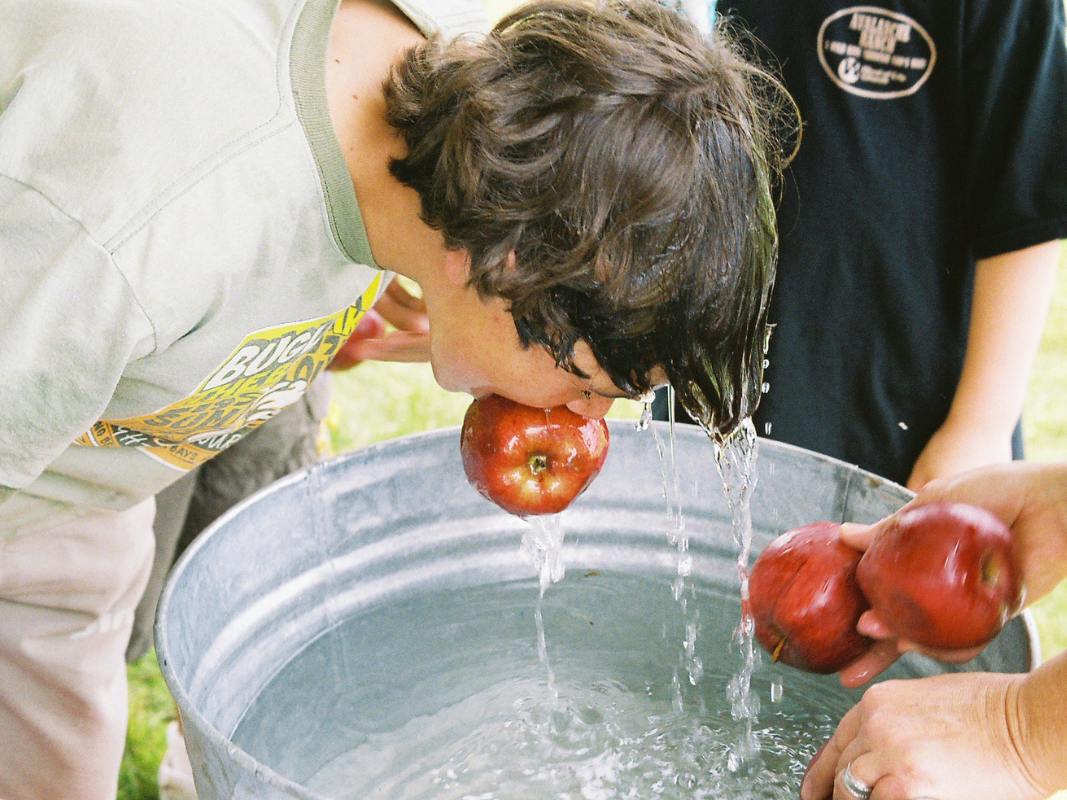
<point x="1045" y="421"/>
<point x="382" y="401"/>
<point x="151" y="708"/>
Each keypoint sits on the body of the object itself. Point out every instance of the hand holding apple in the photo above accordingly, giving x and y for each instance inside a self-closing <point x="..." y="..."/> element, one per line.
<point x="370" y="326"/>
<point x="938" y="575"/>
<point x="530" y="460"/>
<point x="805" y="601"/>
<point x="942" y="575"/>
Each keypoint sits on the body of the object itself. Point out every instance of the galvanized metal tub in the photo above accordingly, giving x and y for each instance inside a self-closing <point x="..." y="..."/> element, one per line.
<point x="274" y="576"/>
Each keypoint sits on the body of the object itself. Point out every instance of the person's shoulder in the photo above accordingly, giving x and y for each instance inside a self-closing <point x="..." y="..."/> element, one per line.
<point x="113" y="103"/>
<point x="125" y="49"/>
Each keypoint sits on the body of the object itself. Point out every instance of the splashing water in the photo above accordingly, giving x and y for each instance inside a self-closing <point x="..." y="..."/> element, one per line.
<point x="459" y="712"/>
<point x="735" y="461"/>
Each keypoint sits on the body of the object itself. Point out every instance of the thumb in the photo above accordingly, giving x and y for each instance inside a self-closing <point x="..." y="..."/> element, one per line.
<point x="918" y="479"/>
<point x="876" y="660"/>
<point x="857" y="536"/>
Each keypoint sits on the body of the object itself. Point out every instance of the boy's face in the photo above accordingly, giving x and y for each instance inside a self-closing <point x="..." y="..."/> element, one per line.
<point x="475" y="348"/>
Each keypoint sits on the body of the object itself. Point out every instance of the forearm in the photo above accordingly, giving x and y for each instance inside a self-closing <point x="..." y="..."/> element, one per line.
<point x="1012" y="293"/>
<point x="1038" y="724"/>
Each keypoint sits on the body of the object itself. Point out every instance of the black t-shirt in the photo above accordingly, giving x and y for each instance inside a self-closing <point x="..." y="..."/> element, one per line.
<point x="934" y="134"/>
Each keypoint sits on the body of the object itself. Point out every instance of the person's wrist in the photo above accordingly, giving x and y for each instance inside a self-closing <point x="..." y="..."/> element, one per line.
<point x="1051" y="488"/>
<point x="1035" y="714"/>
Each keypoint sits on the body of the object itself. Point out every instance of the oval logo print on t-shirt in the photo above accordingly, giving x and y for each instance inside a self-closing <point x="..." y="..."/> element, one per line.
<point x="877" y="53"/>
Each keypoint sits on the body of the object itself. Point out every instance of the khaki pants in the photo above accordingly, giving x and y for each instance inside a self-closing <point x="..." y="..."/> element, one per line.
<point x="67" y="599"/>
<point x="69" y="592"/>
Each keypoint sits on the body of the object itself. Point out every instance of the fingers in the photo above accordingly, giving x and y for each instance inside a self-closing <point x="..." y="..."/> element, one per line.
<point x="857" y="536"/>
<point x="864" y="769"/>
<point x="854" y="767"/>
<point x="403" y="315"/>
<point x="399" y="346"/>
<point x="917" y="480"/>
<point x="870" y="624"/>
<point x="872" y="663"/>
<point x="853" y="750"/>
<point x="945" y="656"/>
<point x="891" y="787"/>
<point x="410" y="342"/>
<point x="819" y="780"/>
<point x="400" y="295"/>
<point x="1000" y="488"/>
<point x="814" y="760"/>
<point x="882" y="655"/>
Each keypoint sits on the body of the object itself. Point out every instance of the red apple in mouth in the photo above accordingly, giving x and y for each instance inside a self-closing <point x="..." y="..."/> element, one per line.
<point x="941" y="575"/>
<point x="528" y="460"/>
<point x="370" y="326"/>
<point x="805" y="600"/>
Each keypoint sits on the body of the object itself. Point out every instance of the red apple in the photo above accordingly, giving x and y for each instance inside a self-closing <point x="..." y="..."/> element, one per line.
<point x="942" y="575"/>
<point x="370" y="326"/>
<point x="530" y="460"/>
<point x="805" y="601"/>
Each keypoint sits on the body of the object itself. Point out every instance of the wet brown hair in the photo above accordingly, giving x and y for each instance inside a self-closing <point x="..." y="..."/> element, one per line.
<point x="626" y="160"/>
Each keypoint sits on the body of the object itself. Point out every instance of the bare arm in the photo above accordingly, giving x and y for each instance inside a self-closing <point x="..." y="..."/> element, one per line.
<point x="1012" y="293"/>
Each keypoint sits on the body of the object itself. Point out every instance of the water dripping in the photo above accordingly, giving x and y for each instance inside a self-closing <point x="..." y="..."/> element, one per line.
<point x="674" y="463"/>
<point x="646" y="401"/>
<point x="542" y="543"/>
<point x="736" y="461"/>
<point x="542" y="651"/>
<point x="677" y="698"/>
<point x="776" y="690"/>
<point x="679" y="540"/>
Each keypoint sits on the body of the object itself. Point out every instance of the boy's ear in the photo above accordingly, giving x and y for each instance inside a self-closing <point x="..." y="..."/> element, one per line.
<point x="457" y="267"/>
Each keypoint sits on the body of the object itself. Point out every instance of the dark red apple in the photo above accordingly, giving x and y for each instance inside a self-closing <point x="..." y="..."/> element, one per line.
<point x="530" y="460"/>
<point x="805" y="601"/>
<point x="370" y="326"/>
<point x="942" y="575"/>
